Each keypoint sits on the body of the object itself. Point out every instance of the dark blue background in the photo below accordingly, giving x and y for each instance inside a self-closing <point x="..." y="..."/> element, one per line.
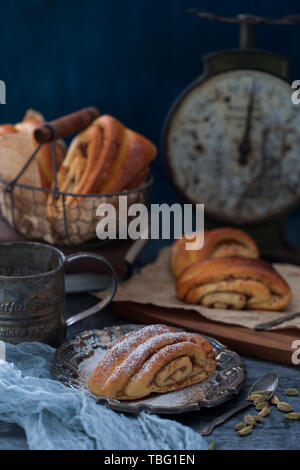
<point x="130" y="58"/>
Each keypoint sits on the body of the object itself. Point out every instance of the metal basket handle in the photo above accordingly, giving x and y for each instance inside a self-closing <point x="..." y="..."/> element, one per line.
<point x="66" y="125"/>
<point x="50" y="132"/>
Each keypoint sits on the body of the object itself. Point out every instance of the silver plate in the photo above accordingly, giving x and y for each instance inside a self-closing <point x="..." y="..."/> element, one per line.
<point x="75" y="360"/>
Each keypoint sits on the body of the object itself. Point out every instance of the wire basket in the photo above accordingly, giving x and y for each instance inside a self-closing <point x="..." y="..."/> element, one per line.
<point x="46" y="214"/>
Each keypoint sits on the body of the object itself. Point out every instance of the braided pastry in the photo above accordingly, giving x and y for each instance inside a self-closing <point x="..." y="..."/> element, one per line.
<point x="218" y="243"/>
<point x="154" y="359"/>
<point x="105" y="158"/>
<point x="234" y="283"/>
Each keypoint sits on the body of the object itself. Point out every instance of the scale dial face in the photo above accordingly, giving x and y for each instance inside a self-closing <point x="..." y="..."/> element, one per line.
<point x="233" y="143"/>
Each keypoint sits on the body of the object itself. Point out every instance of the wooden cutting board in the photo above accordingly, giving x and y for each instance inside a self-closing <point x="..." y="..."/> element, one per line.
<point x="269" y="345"/>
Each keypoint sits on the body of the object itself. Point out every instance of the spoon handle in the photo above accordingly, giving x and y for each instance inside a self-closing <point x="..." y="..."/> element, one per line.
<point x="208" y="428"/>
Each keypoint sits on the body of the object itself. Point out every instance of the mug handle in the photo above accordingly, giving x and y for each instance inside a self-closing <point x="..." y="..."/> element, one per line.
<point x="109" y="296"/>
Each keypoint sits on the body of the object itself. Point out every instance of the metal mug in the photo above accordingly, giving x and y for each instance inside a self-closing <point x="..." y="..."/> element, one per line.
<point x="32" y="292"/>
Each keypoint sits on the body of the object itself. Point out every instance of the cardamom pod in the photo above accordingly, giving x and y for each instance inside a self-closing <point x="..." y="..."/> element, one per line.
<point x="253" y="397"/>
<point x="212" y="446"/>
<point x="261" y="405"/>
<point x="259" y="418"/>
<point x="239" y="426"/>
<point x="250" y="420"/>
<point x="259" y="400"/>
<point x="275" y="400"/>
<point x="245" y="431"/>
<point x="291" y="392"/>
<point x="264" y="412"/>
<point x="262" y="392"/>
<point x="258" y="395"/>
<point x="283" y="406"/>
<point x="294" y="416"/>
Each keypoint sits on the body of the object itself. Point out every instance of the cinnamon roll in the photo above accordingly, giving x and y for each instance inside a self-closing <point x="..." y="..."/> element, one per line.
<point x="218" y="243"/>
<point x="234" y="283"/>
<point x="105" y="158"/>
<point x="157" y="359"/>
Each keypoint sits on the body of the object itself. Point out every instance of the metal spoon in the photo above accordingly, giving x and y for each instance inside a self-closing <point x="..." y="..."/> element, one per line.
<point x="267" y="382"/>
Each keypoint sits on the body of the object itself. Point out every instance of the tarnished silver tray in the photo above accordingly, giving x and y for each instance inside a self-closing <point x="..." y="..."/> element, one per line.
<point x="75" y="360"/>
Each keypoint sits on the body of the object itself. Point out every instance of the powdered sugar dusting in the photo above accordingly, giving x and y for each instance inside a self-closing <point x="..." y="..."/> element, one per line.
<point x="120" y="350"/>
<point x="133" y="359"/>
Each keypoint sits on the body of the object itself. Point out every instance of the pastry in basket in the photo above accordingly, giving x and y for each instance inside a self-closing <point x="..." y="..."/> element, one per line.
<point x="31" y="121"/>
<point x="157" y="359"/>
<point x="105" y="158"/>
<point x="218" y="243"/>
<point x="234" y="283"/>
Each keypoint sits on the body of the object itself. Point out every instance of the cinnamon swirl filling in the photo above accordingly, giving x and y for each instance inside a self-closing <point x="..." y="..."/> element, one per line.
<point x="154" y="359"/>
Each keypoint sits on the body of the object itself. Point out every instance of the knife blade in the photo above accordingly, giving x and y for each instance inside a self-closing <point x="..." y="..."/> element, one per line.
<point x="278" y="321"/>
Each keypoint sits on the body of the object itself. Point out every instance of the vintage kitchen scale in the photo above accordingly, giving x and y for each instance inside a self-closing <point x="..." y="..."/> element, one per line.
<point x="232" y="139"/>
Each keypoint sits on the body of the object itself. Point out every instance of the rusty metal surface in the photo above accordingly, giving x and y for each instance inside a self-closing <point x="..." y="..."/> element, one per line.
<point x="201" y="146"/>
<point x="32" y="292"/>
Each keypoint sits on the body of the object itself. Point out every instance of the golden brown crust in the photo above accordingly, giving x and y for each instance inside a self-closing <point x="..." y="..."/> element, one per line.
<point x="7" y="129"/>
<point x="218" y="243"/>
<point x="115" y="157"/>
<point x="153" y="359"/>
<point x="104" y="148"/>
<point x="139" y="179"/>
<point x="181" y="258"/>
<point x="235" y="283"/>
<point x="136" y="153"/>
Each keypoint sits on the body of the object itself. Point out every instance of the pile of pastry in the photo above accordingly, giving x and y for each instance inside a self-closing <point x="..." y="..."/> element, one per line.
<point x="105" y="158"/>
<point x="102" y="161"/>
<point x="156" y="358"/>
<point x="226" y="273"/>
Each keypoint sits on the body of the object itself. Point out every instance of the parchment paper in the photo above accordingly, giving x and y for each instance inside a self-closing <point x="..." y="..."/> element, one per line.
<point x="155" y="285"/>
